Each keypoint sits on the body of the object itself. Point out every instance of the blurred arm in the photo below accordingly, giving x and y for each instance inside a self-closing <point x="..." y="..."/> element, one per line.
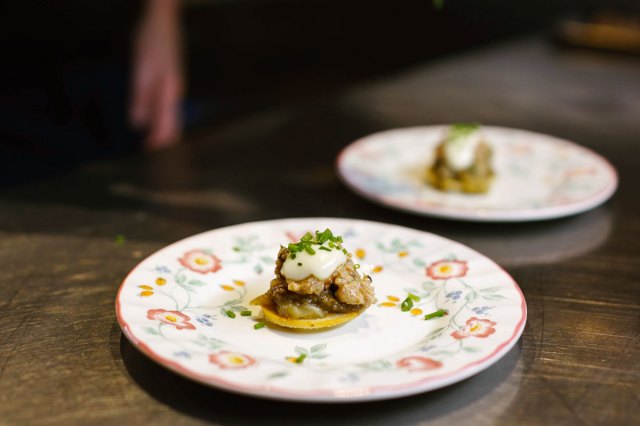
<point x="158" y="74"/>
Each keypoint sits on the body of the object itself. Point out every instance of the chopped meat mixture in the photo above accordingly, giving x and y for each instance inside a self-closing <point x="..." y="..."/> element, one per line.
<point x="344" y="291"/>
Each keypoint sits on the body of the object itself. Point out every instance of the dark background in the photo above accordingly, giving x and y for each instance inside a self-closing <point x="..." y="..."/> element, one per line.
<point x="248" y="54"/>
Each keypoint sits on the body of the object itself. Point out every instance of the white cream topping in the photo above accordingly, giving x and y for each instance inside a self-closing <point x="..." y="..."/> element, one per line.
<point x="460" y="151"/>
<point x="321" y="264"/>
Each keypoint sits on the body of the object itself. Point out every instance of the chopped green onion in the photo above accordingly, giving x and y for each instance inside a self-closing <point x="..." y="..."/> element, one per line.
<point x="120" y="239"/>
<point x="436" y="314"/>
<point x="259" y="325"/>
<point x="357" y="266"/>
<point x="406" y="305"/>
<point x="414" y="297"/>
<point x="320" y="238"/>
<point x="245" y="313"/>
<point x="301" y="358"/>
<point x="299" y="264"/>
<point x="230" y="314"/>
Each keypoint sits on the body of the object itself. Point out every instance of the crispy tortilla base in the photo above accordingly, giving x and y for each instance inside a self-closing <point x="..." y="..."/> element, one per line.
<point x="331" y="320"/>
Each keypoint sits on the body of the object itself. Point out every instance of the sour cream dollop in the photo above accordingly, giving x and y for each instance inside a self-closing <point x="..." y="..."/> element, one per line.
<point x="460" y="150"/>
<point x="321" y="264"/>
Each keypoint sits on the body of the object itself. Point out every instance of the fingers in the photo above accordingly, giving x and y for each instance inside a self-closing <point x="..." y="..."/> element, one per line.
<point x="142" y="94"/>
<point x="165" y="122"/>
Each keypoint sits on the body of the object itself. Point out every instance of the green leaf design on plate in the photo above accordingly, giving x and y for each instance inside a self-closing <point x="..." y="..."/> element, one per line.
<point x="151" y="330"/>
<point x="441" y="353"/>
<point x="434" y="334"/>
<point x="429" y="286"/>
<point x="319" y="348"/>
<point x="278" y="375"/>
<point x="379" y="365"/>
<point x="196" y="283"/>
<point x="319" y="356"/>
<point x="187" y="288"/>
<point x="490" y="289"/>
<point x="471" y="349"/>
<point x="493" y="297"/>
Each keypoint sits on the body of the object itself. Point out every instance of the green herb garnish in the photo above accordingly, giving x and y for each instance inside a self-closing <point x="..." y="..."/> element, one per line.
<point x="245" y="313"/>
<point x="259" y="325"/>
<point x="301" y="358"/>
<point x="461" y="130"/>
<point x="406" y="305"/>
<point x="308" y="240"/>
<point x="436" y="314"/>
<point x="414" y="297"/>
<point x="230" y="314"/>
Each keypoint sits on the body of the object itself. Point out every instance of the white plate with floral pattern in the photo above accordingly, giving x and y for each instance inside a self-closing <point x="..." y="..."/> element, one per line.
<point x="174" y="307"/>
<point x="537" y="176"/>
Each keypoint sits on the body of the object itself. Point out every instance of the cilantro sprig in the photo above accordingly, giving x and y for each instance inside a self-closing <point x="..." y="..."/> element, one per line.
<point x="462" y="130"/>
<point x="334" y="242"/>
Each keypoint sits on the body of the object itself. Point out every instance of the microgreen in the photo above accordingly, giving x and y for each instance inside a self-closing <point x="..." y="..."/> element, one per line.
<point x="319" y="239"/>
<point x="462" y="130"/>
<point x="414" y="297"/>
<point x="406" y="305"/>
<point x="436" y="314"/>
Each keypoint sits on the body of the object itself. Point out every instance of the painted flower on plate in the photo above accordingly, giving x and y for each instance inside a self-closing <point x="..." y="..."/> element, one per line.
<point x="418" y="363"/>
<point x="177" y="319"/>
<point x="475" y="327"/>
<point x="445" y="269"/>
<point x="200" y="261"/>
<point x="231" y="360"/>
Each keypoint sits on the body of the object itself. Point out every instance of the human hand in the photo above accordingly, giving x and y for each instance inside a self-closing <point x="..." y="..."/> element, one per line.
<point x="158" y="76"/>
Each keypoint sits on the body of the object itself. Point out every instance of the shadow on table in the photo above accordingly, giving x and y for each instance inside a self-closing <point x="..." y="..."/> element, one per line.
<point x="203" y="402"/>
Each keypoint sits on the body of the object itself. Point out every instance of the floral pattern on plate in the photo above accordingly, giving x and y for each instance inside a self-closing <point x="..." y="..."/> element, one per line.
<point x="537" y="176"/>
<point x="201" y="325"/>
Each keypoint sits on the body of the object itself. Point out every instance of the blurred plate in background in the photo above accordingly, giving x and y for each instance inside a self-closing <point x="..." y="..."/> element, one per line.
<point x="537" y="176"/>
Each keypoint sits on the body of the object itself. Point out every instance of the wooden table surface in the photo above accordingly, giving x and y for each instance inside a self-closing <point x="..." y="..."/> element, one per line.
<point x="64" y="360"/>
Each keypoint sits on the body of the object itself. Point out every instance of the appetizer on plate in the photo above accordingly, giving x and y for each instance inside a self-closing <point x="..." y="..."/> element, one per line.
<point x="463" y="161"/>
<point x="317" y="285"/>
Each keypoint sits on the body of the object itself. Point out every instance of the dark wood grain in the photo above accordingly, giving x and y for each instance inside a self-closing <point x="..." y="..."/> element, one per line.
<point x="63" y="359"/>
